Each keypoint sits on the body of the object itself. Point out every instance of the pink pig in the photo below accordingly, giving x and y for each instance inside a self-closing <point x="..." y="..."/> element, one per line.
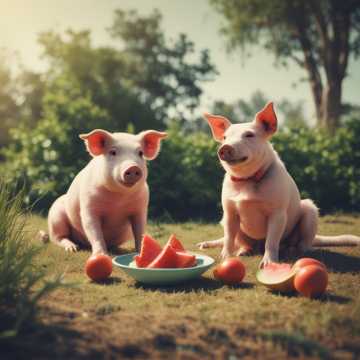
<point x="107" y="201"/>
<point x="260" y="199"/>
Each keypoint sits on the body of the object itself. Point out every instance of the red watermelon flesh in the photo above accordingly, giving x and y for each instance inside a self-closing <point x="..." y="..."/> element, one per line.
<point x="185" y="260"/>
<point x="278" y="268"/>
<point x="166" y="259"/>
<point x="150" y="249"/>
<point x="175" y="243"/>
<point x="279" y="277"/>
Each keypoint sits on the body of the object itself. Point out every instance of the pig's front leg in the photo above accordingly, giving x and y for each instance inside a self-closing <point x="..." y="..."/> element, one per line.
<point x="138" y="223"/>
<point x="275" y="230"/>
<point x="92" y="227"/>
<point x="231" y="223"/>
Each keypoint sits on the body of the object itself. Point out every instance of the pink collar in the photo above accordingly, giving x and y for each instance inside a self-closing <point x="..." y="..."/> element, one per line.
<point x="256" y="177"/>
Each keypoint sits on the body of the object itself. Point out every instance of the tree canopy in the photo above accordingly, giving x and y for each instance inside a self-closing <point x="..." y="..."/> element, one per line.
<point x="244" y="110"/>
<point x="142" y="79"/>
<point x="137" y="83"/>
<point x="8" y="106"/>
<point x="319" y="36"/>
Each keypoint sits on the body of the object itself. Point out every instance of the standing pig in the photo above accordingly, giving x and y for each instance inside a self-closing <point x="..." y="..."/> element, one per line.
<point x="107" y="201"/>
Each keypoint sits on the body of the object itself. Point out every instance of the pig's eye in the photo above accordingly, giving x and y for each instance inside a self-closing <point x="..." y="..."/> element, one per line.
<point x="112" y="152"/>
<point x="140" y="153"/>
<point x="249" y="135"/>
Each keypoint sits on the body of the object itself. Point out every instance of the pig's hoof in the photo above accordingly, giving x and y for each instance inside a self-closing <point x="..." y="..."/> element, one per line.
<point x="43" y="236"/>
<point x="69" y="246"/>
<point x="210" y="244"/>
<point x="225" y="253"/>
<point x="203" y="245"/>
<point x="267" y="259"/>
<point x="245" y="251"/>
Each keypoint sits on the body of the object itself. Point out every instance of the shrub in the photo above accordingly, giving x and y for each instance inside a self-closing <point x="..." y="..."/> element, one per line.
<point x="47" y="157"/>
<point x="325" y="168"/>
<point x="185" y="180"/>
<point x="22" y="283"/>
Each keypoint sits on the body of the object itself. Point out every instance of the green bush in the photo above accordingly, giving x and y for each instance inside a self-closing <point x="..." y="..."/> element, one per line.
<point x="185" y="180"/>
<point x="326" y="168"/>
<point x="22" y="283"/>
<point x="46" y="158"/>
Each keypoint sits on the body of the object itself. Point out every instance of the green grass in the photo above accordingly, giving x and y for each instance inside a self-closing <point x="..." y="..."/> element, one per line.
<point x="120" y="318"/>
<point x="22" y="281"/>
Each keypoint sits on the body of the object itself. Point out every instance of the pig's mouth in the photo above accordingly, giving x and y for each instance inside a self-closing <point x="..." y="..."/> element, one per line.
<point x="127" y="184"/>
<point x="237" y="161"/>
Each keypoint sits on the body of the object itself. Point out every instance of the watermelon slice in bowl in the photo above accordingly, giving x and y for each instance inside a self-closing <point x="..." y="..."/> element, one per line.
<point x="166" y="259"/>
<point x="175" y="243"/>
<point x="163" y="266"/>
<point x="150" y="249"/>
<point x="185" y="259"/>
<point x="163" y="276"/>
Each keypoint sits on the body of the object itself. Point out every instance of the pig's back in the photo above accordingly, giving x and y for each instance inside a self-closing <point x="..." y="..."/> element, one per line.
<point x="72" y="200"/>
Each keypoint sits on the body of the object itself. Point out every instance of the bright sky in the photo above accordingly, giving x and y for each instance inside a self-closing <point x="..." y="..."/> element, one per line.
<point x="22" y="20"/>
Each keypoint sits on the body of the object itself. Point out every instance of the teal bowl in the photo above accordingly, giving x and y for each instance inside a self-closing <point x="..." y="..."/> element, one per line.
<point x="162" y="276"/>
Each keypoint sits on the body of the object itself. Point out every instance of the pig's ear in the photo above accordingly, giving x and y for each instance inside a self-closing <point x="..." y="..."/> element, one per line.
<point x="96" y="141"/>
<point x="150" y="142"/>
<point x="218" y="125"/>
<point x="266" y="118"/>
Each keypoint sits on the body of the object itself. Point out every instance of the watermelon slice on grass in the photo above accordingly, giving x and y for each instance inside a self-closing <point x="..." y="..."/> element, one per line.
<point x="278" y="277"/>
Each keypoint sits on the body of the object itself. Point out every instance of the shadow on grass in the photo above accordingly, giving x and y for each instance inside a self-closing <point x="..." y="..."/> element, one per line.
<point x="335" y="261"/>
<point x="327" y="297"/>
<point x="59" y="341"/>
<point x="297" y="345"/>
<point x="334" y="298"/>
<point x="40" y="341"/>
<point x="113" y="280"/>
<point x="203" y="284"/>
<point x="116" y="251"/>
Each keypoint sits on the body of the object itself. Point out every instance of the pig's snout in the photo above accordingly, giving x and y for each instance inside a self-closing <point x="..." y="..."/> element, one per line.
<point x="132" y="175"/>
<point x="226" y="153"/>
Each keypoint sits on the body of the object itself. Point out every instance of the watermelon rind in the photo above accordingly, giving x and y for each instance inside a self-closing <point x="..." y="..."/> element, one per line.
<point x="282" y="282"/>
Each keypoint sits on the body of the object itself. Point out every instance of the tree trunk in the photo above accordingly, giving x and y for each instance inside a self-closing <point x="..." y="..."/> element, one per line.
<point x="317" y="94"/>
<point x="333" y="51"/>
<point x="330" y="107"/>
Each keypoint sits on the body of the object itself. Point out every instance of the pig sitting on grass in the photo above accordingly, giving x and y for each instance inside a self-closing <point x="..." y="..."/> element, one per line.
<point x="107" y="201"/>
<point x="260" y="199"/>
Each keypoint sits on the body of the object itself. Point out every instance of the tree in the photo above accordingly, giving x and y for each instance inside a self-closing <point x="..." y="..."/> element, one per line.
<point x="46" y="157"/>
<point x="245" y="110"/>
<point x="319" y="36"/>
<point x="99" y="74"/>
<point x="31" y="87"/>
<point x="9" y="112"/>
<point x="165" y="73"/>
<point x="147" y="77"/>
<point x="87" y="87"/>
